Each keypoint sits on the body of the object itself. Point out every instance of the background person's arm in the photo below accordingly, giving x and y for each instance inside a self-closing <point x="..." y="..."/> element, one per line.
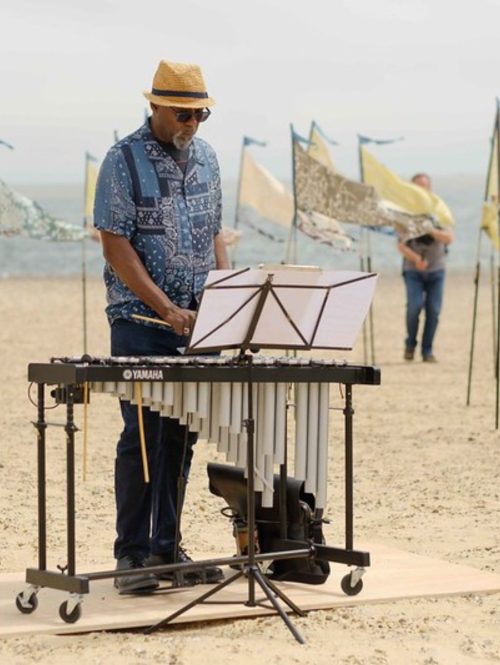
<point x="442" y="235"/>
<point x="221" y="258"/>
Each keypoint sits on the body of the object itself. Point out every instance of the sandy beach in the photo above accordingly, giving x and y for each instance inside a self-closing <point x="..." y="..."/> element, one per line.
<point x="427" y="481"/>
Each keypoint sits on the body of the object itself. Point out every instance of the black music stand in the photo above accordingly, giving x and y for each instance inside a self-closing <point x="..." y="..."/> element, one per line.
<point x="280" y="309"/>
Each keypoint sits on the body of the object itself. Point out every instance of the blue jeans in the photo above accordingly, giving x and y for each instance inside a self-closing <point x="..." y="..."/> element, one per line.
<point x="147" y="513"/>
<point x="424" y="290"/>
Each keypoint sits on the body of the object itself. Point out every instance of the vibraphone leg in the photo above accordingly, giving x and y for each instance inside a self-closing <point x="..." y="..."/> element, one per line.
<point x="181" y="495"/>
<point x="70" y="610"/>
<point x="41" y="427"/>
<point x="26" y="601"/>
<point x="70" y="479"/>
<point x="348" y="415"/>
<point x="351" y="583"/>
<point x="250" y="427"/>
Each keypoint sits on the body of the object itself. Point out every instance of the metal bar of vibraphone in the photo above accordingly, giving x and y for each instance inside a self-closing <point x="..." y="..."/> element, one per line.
<point x="283" y="488"/>
<point x="282" y="499"/>
<point x="348" y="415"/>
<point x="70" y="479"/>
<point x="41" y="427"/>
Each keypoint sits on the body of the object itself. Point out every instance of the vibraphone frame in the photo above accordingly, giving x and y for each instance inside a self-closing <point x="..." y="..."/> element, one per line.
<point x="69" y="377"/>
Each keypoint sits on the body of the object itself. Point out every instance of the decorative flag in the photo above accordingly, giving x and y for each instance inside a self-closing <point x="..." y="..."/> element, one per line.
<point x="317" y="128"/>
<point x="324" y="230"/>
<point x="299" y="138"/>
<point x="366" y="139"/>
<point x="266" y="195"/>
<point x="492" y="185"/>
<point x="21" y="216"/>
<point x="318" y="149"/>
<point x="402" y="194"/>
<point x="261" y="191"/>
<point x="489" y="222"/>
<point x="319" y="190"/>
<point x="263" y="232"/>
<point x="91" y="173"/>
<point x="249" y="141"/>
<point x="489" y="219"/>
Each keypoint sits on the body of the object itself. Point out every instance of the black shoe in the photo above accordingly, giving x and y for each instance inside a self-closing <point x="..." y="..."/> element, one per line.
<point x="135" y="582"/>
<point x="409" y="354"/>
<point x="208" y="575"/>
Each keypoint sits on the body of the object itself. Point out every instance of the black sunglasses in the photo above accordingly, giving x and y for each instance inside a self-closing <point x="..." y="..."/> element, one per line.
<point x="200" y="115"/>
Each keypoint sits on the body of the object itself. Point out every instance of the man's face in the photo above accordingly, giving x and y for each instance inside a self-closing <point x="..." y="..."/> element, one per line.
<point x="172" y="130"/>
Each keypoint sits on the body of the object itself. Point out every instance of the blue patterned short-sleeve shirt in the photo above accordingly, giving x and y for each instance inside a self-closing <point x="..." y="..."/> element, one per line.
<point x="169" y="217"/>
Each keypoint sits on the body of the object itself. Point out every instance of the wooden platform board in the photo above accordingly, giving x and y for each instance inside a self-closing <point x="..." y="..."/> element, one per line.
<point x="394" y="575"/>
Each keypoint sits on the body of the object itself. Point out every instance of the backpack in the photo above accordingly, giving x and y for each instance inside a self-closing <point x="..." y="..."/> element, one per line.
<point x="303" y="523"/>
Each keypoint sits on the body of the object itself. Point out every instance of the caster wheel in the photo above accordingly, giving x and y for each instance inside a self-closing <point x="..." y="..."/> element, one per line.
<point x="72" y="616"/>
<point x="348" y="589"/>
<point x="26" y="608"/>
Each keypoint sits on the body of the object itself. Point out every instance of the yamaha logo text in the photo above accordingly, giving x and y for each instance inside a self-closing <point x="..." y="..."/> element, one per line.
<point x="143" y="374"/>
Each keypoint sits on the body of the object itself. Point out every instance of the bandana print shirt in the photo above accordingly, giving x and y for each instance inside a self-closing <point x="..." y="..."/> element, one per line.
<point x="169" y="217"/>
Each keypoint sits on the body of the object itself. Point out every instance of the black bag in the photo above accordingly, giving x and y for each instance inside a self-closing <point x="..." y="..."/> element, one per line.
<point x="303" y="522"/>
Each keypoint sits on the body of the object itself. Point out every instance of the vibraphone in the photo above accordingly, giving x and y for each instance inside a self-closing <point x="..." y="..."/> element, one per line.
<point x="210" y="395"/>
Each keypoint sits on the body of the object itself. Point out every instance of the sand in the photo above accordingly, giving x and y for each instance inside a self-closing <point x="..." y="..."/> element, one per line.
<point x="427" y="481"/>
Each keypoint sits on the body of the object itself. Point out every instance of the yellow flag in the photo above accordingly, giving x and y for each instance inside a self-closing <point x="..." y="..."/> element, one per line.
<point x="492" y="185"/>
<point x="489" y="222"/>
<point x="90" y="185"/>
<point x="406" y="195"/>
<point x="319" y="150"/>
<point x="489" y="219"/>
<point x="260" y="190"/>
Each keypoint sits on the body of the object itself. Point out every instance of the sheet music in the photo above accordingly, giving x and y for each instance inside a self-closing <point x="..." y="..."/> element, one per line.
<point x="303" y="309"/>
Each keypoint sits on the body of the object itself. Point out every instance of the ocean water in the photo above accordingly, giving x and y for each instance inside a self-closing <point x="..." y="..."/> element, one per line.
<point x="23" y="256"/>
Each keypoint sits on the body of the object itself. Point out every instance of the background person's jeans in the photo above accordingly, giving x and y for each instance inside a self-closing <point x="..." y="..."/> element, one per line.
<point x="146" y="513"/>
<point x="424" y="290"/>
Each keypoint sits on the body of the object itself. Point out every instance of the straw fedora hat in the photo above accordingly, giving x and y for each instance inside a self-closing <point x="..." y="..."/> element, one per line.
<point x="179" y="84"/>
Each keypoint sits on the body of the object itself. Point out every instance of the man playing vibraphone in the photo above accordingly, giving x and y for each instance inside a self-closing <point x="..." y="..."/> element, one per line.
<point x="158" y="208"/>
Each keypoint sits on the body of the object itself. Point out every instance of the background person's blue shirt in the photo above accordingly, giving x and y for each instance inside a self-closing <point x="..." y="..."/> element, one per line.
<point x="169" y="217"/>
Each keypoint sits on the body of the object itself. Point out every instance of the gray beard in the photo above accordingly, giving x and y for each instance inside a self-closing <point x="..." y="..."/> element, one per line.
<point x="180" y="142"/>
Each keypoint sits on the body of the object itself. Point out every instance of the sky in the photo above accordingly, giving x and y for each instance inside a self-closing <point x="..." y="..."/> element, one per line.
<point x="73" y="72"/>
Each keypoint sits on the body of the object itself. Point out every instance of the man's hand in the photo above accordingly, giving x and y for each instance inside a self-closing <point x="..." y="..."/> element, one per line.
<point x="181" y="320"/>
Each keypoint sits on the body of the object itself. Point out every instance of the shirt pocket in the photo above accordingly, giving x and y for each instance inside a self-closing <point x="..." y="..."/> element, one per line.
<point x="151" y="216"/>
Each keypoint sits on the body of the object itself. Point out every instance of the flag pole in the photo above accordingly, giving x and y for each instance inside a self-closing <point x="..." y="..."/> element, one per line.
<point x="291" y="246"/>
<point x="238" y="196"/>
<point x="497" y="356"/>
<point x="478" y="273"/>
<point x="366" y="246"/>
<point x="84" y="255"/>
<point x="474" y="315"/>
<point x="493" y="304"/>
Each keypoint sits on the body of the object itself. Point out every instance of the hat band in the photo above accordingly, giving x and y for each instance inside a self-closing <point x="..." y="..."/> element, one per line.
<point x="178" y="93"/>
